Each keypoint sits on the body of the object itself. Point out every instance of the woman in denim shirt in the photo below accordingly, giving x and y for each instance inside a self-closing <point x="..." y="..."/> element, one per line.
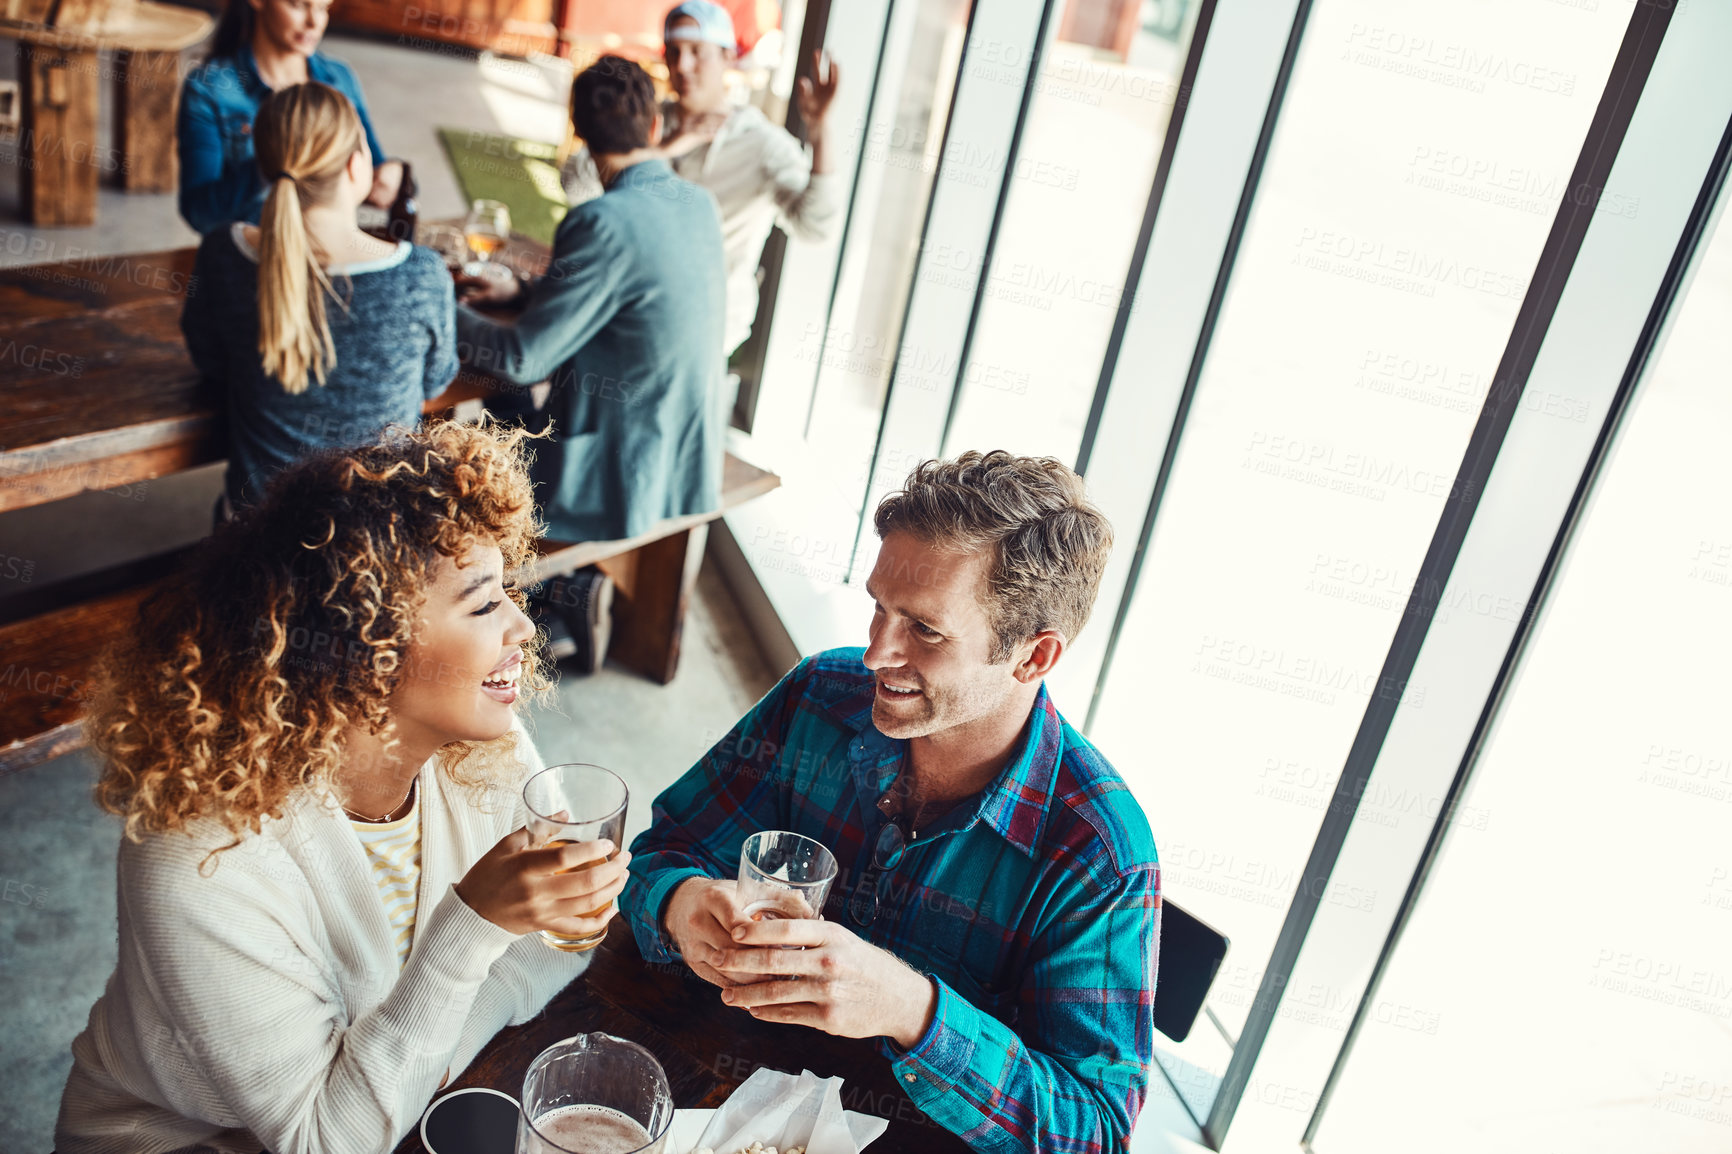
<point x="261" y="46"/>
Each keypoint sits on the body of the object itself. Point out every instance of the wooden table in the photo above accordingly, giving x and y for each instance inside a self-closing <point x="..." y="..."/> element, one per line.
<point x="60" y="46"/>
<point x="98" y="391"/>
<point x="706" y="1048"/>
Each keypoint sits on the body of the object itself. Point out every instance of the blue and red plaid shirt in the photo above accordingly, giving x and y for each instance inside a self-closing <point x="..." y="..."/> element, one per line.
<point x="1035" y="905"/>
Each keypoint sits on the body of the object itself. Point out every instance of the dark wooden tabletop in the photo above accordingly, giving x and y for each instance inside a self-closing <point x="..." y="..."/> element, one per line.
<point x="706" y="1047"/>
<point x="96" y="387"/>
<point x="94" y="371"/>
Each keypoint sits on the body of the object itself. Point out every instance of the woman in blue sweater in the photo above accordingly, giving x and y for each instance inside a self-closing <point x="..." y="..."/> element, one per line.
<point x="316" y="334"/>
<point x="261" y="46"/>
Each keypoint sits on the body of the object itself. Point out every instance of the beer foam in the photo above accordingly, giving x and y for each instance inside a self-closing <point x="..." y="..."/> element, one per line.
<point x="589" y="1129"/>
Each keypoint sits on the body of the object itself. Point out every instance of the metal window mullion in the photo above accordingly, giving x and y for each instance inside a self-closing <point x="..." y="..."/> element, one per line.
<point x="1043" y="42"/>
<point x="813" y="22"/>
<point x="847" y="230"/>
<point x="1211" y="317"/>
<point x="1145" y="233"/>
<point x="1211" y="151"/>
<point x="809" y="272"/>
<point x="957" y="216"/>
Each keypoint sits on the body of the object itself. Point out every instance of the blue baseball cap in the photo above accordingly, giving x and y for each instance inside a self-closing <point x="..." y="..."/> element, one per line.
<point x="713" y="24"/>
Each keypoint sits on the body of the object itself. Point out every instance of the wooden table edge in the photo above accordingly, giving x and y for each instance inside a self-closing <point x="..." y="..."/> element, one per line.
<point x="36" y="474"/>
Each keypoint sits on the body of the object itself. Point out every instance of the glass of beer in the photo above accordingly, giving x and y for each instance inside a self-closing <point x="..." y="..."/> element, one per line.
<point x="576" y="803"/>
<point x="594" y="1094"/>
<point x="487" y="228"/>
<point x="784" y="875"/>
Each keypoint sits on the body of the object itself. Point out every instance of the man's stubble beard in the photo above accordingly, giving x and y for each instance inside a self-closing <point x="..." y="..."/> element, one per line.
<point x="945" y="710"/>
<point x="900" y="726"/>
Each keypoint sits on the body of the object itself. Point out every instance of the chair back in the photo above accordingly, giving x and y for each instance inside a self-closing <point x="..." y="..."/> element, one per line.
<point x="1191" y="953"/>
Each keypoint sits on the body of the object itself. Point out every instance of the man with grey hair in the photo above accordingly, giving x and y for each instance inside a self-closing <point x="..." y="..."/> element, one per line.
<point x="758" y="172"/>
<point x="996" y="919"/>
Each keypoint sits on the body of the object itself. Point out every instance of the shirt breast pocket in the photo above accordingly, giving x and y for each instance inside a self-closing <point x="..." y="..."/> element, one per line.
<point x="968" y="951"/>
<point x="237" y="127"/>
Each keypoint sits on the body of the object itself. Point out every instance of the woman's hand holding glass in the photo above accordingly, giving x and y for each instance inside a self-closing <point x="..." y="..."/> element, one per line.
<point x="579" y="805"/>
<point x="522" y="888"/>
<point x="560" y="875"/>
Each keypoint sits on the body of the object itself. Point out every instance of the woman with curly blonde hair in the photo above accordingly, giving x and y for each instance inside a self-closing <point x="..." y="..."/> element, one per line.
<point x="325" y="885"/>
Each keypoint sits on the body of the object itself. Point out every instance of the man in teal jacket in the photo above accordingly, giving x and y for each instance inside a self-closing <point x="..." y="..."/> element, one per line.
<point x="627" y="324"/>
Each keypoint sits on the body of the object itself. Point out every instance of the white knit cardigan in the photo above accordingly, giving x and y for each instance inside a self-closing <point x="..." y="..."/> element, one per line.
<point x="262" y="1006"/>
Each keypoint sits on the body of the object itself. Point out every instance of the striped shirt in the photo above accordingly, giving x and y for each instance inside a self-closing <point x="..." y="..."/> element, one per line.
<point x="394" y="851"/>
<point x="1035" y="905"/>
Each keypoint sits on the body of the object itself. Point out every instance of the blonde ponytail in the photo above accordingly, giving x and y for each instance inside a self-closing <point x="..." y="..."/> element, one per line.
<point x="294" y="338"/>
<point x="303" y="137"/>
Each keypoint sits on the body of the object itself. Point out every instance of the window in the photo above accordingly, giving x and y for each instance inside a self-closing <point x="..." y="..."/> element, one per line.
<point x="1588" y="864"/>
<point x="1415" y="173"/>
<point x="1077" y="192"/>
<point x="1334" y="245"/>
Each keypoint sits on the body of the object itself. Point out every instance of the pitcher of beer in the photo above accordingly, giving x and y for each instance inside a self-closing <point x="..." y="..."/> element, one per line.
<point x="594" y="1094"/>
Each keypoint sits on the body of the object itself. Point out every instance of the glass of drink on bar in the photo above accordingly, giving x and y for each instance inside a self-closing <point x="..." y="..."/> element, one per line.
<point x="784" y="875"/>
<point x="576" y="803"/>
<point x="487" y="229"/>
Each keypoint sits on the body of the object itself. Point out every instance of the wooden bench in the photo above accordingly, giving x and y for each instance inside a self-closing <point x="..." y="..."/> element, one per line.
<point x="51" y="639"/>
<point x="101" y="395"/>
<point x="60" y="43"/>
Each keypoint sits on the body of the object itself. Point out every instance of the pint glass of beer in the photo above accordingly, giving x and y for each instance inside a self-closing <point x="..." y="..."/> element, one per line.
<point x="784" y="875"/>
<point x="576" y="803"/>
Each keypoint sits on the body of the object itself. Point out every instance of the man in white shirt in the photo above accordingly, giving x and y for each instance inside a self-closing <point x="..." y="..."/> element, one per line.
<point x="758" y="171"/>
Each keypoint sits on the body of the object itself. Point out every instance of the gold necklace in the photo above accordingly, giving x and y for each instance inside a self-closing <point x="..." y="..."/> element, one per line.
<point x="388" y="813"/>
